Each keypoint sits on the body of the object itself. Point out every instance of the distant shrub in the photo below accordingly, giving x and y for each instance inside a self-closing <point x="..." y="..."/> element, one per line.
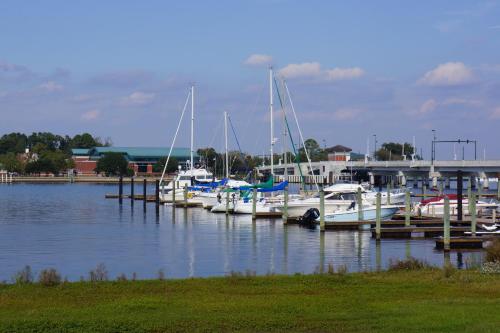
<point x="407" y="264"/>
<point x="493" y="251"/>
<point x="250" y="273"/>
<point x="342" y="270"/>
<point x="122" y="277"/>
<point x="448" y="270"/>
<point x="49" y="277"/>
<point x="491" y="267"/>
<point x="161" y="275"/>
<point x="330" y="269"/>
<point x="24" y="276"/>
<point x="98" y="274"/>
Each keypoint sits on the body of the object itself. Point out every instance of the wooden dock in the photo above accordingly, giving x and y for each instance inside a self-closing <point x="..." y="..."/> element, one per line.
<point x="467" y="242"/>
<point x="411" y="231"/>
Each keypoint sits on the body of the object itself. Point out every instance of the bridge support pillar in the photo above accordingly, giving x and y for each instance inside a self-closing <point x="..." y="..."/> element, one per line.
<point x="472" y="180"/>
<point x="403" y="180"/>
<point x="486" y="183"/>
<point x="434" y="182"/>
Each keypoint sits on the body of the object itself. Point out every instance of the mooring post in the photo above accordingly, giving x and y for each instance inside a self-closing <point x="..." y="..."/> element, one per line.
<point x="227" y="202"/>
<point x="132" y="190"/>
<point x="441" y="190"/>
<point x="469" y="187"/>
<point x="389" y="187"/>
<point x="359" y="200"/>
<point x="472" y="213"/>
<point x="144" y="191"/>
<point x="173" y="193"/>
<point x="254" y="204"/>
<point x="494" y="215"/>
<point x="459" y="195"/>
<point x="285" y="206"/>
<point x="446" y="223"/>
<point x="407" y="208"/>
<point x="157" y="195"/>
<point x="321" y="209"/>
<point x="120" y="190"/>
<point x="185" y="196"/>
<point x="423" y="190"/>
<point x="378" y="221"/>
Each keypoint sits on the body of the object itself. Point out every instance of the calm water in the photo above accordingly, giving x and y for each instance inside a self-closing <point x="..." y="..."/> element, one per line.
<point x="73" y="228"/>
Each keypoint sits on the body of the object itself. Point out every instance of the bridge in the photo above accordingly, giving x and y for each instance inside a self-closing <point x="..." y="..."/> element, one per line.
<point x="398" y="171"/>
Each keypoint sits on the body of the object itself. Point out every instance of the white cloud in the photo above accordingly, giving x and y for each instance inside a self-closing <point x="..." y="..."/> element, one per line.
<point x="314" y="70"/>
<point x="428" y="106"/>
<point x="51" y="86"/>
<point x="258" y="60"/>
<point x="346" y="114"/>
<point x="138" y="98"/>
<point x="496" y="113"/>
<point x="91" y="115"/>
<point x="305" y="69"/>
<point x="344" y="73"/>
<point x="448" y="74"/>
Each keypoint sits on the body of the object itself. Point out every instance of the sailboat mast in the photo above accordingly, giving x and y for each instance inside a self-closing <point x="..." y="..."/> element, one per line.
<point x="225" y="140"/>
<point x="271" y="114"/>
<point x="192" y="130"/>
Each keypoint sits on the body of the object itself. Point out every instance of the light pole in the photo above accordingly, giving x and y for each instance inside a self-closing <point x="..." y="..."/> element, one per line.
<point x="433" y="150"/>
<point x="375" y="150"/>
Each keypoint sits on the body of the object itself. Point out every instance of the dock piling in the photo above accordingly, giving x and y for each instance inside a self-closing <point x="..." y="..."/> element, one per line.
<point x="359" y="200"/>
<point x="423" y="190"/>
<point x="132" y="191"/>
<point x="389" y="187"/>
<point x="285" y="206"/>
<point x="378" y="221"/>
<point x="144" y="191"/>
<point x="185" y="196"/>
<point x="446" y="222"/>
<point x="472" y="212"/>
<point x="254" y="204"/>
<point x="157" y="196"/>
<point x="407" y="208"/>
<point x="322" y="209"/>
<point x="460" y="187"/>
<point x="120" y="190"/>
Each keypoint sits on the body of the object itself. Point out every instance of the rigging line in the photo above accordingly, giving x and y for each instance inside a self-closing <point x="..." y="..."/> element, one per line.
<point x="297" y="157"/>
<point x="300" y="132"/>
<point x="215" y="134"/>
<point x="238" y="144"/>
<point x="175" y="137"/>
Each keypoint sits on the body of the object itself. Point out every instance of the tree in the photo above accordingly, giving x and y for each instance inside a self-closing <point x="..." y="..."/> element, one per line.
<point x="394" y="151"/>
<point x="85" y="140"/>
<point x="41" y="165"/>
<point x="13" y="143"/>
<point x="112" y="163"/>
<point x="11" y="163"/>
<point x="172" y="166"/>
<point x="314" y="150"/>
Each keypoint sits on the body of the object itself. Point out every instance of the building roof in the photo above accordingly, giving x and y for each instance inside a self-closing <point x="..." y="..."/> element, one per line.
<point x="338" y="149"/>
<point x="135" y="153"/>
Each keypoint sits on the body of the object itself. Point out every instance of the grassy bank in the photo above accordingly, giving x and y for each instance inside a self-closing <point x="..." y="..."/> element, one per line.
<point x="406" y="301"/>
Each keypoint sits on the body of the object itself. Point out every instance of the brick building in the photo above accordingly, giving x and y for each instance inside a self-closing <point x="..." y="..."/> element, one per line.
<point x="140" y="159"/>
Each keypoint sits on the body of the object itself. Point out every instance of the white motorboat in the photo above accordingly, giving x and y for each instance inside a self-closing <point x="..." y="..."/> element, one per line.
<point x="369" y="213"/>
<point x="435" y="206"/>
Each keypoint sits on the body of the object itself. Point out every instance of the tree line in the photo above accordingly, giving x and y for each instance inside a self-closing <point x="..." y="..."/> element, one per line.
<point x="42" y="152"/>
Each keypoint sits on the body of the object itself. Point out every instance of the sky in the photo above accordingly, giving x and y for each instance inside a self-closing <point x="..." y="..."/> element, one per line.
<point x="354" y="69"/>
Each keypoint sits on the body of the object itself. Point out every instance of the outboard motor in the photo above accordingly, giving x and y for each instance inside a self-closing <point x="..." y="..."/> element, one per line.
<point x="309" y="217"/>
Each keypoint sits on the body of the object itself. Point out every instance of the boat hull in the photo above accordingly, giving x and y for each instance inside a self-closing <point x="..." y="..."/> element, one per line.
<point x="369" y="214"/>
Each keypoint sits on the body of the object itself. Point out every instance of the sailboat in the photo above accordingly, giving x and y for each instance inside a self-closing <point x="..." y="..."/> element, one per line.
<point x="189" y="176"/>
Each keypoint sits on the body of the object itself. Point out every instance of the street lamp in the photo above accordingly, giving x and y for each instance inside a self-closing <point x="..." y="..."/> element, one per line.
<point x="433" y="150"/>
<point x="375" y="150"/>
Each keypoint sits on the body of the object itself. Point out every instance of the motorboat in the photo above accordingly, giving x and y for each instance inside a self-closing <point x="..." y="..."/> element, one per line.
<point x="369" y="213"/>
<point x="435" y="206"/>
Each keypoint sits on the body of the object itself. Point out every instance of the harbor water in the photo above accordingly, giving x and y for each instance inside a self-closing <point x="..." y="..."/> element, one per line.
<point x="72" y="228"/>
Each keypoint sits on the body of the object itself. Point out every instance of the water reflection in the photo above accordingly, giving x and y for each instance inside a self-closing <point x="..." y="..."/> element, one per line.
<point x="72" y="227"/>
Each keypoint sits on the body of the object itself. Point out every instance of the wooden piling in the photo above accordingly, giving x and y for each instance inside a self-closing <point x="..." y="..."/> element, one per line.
<point x="185" y="196"/>
<point x="407" y="208"/>
<point x="472" y="212"/>
<point x="120" y="190"/>
<point x="132" y="191"/>
<point x="254" y="204"/>
<point x="378" y="219"/>
<point x="389" y="187"/>
<point x="460" y="186"/>
<point x="157" y="195"/>
<point x="322" y="209"/>
<point x="479" y="191"/>
<point x="359" y="200"/>
<point x="144" y="192"/>
<point x="446" y="222"/>
<point x="173" y="193"/>
<point x="424" y="188"/>
<point x="285" y="206"/>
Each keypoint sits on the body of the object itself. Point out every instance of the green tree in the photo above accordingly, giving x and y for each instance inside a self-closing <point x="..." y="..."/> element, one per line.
<point x="112" y="163"/>
<point x="11" y="163"/>
<point x="13" y="143"/>
<point x="172" y="166"/>
<point x="394" y="151"/>
<point x="314" y="150"/>
<point x="41" y="165"/>
<point x="59" y="160"/>
<point x="85" y="140"/>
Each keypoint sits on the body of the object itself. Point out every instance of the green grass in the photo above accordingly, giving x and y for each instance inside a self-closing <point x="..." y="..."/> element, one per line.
<point x="400" y="301"/>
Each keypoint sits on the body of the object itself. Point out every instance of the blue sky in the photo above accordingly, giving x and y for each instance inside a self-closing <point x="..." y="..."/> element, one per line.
<point x="354" y="68"/>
